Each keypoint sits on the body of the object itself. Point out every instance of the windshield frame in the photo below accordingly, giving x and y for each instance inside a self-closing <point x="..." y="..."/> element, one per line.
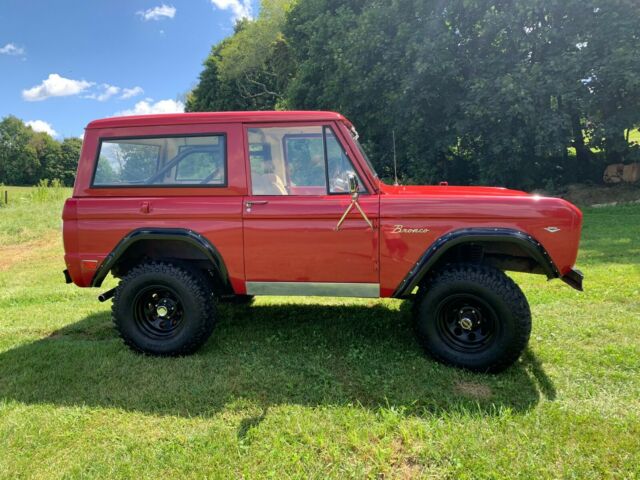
<point x="355" y="136"/>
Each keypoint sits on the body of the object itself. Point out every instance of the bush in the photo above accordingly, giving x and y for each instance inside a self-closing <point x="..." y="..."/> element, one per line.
<point x="47" y="191"/>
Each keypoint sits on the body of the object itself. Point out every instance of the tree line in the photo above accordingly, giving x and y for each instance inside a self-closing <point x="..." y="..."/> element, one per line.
<point x="28" y="157"/>
<point x="523" y="93"/>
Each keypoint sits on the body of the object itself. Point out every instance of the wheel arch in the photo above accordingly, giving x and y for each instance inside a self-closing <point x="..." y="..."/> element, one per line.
<point x="178" y="244"/>
<point x="504" y="248"/>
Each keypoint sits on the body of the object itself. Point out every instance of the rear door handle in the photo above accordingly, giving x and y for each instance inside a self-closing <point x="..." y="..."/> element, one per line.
<point x="145" y="207"/>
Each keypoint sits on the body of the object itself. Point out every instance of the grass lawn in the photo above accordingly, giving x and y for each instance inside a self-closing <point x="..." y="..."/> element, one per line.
<point x="315" y="388"/>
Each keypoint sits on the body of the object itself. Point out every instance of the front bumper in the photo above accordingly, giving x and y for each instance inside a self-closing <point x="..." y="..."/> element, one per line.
<point x="573" y="278"/>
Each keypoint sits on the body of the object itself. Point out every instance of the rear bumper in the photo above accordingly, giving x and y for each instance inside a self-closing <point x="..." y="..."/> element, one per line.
<point x="573" y="278"/>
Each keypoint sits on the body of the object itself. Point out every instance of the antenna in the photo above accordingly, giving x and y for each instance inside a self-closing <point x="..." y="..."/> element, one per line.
<point x="395" y="163"/>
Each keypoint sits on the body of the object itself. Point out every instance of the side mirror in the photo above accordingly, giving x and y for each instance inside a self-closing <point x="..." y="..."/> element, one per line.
<point x="353" y="183"/>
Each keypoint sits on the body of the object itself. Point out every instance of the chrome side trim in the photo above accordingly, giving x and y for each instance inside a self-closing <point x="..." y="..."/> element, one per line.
<point x="312" y="289"/>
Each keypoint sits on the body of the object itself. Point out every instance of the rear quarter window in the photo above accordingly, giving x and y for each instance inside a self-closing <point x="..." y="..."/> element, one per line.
<point x="162" y="161"/>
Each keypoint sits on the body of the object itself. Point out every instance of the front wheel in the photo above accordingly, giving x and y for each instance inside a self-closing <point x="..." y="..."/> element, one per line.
<point x="163" y="309"/>
<point x="474" y="317"/>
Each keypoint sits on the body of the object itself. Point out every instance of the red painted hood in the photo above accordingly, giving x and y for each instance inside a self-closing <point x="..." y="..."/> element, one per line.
<point x="448" y="190"/>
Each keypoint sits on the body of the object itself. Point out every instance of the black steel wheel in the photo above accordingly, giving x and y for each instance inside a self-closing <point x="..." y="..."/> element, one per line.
<point x="474" y="317"/>
<point x="466" y="322"/>
<point x="164" y="309"/>
<point x="158" y="311"/>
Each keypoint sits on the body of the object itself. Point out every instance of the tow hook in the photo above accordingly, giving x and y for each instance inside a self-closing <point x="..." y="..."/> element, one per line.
<point x="107" y="295"/>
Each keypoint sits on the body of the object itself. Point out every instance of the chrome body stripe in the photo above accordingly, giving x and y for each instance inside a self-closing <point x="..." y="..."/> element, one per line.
<point x="319" y="289"/>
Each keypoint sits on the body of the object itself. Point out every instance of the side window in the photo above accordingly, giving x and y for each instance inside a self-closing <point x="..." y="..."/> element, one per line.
<point x="305" y="160"/>
<point x="338" y="165"/>
<point x="126" y="162"/>
<point x="198" y="164"/>
<point x="296" y="160"/>
<point x="160" y="161"/>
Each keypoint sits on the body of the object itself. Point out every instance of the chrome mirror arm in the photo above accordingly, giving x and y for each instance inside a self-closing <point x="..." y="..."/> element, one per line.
<point x="354" y="203"/>
<point x="364" y="215"/>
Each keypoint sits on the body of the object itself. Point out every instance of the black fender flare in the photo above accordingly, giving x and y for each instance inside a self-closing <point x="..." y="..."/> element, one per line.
<point x="184" y="235"/>
<point x="468" y="235"/>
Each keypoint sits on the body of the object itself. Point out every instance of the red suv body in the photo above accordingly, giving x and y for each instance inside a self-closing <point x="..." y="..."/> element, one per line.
<point x="249" y="203"/>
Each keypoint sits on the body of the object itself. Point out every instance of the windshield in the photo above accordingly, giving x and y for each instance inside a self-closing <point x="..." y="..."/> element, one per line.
<point x="355" y="136"/>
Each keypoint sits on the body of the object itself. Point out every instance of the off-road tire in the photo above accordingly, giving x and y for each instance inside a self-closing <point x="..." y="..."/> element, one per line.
<point x="189" y="293"/>
<point x="492" y="303"/>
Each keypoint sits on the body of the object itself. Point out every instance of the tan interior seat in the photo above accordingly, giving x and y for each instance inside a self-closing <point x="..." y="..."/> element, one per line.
<point x="268" y="184"/>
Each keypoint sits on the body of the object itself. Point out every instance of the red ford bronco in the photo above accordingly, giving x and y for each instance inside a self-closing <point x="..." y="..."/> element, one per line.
<point x="190" y="209"/>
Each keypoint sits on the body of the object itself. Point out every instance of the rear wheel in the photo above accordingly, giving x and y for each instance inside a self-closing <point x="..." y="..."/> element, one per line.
<point x="474" y="317"/>
<point x="163" y="309"/>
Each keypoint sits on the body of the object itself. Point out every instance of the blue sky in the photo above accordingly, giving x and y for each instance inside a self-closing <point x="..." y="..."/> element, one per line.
<point x="64" y="63"/>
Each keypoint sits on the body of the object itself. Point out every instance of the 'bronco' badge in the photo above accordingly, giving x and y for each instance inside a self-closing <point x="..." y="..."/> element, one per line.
<point x="403" y="229"/>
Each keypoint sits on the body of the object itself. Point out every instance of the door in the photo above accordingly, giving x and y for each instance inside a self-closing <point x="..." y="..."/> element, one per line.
<point x="298" y="191"/>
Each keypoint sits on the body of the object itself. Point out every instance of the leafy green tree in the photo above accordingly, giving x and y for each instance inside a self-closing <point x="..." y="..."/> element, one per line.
<point x="19" y="162"/>
<point x="26" y="157"/>
<point x="69" y="156"/>
<point x="612" y="65"/>
<point x="48" y="153"/>
<point x="249" y="70"/>
<point x="523" y="93"/>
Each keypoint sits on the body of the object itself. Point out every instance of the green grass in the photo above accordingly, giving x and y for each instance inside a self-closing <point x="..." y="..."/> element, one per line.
<point x="316" y="388"/>
<point x="30" y="213"/>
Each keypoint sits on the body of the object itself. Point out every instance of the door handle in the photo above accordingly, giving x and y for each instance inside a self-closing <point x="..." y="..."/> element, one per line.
<point x="250" y="203"/>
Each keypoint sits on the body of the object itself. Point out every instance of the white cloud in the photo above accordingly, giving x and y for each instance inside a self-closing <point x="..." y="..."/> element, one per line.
<point x="41" y="126"/>
<point x="55" y="86"/>
<point x="108" y="91"/>
<point x="11" y="49"/>
<point x="239" y="8"/>
<point x="158" y="13"/>
<point x="147" y="107"/>
<point x="131" y="92"/>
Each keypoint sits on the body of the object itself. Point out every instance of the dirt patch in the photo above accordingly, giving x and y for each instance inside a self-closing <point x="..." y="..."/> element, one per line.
<point x="409" y="469"/>
<point x="13" y="254"/>
<point x="404" y="467"/>
<point x="474" y="390"/>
